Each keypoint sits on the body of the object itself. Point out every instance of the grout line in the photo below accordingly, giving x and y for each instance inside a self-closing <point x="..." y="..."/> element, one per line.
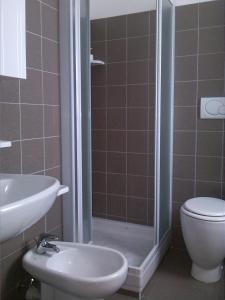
<point x="148" y="120"/>
<point x="200" y="28"/>
<point x="29" y="104"/>
<point x="122" y="173"/>
<point x="222" y="158"/>
<point x="200" y="54"/>
<point x="119" y="195"/>
<point x="199" y="80"/>
<point x="106" y="115"/>
<point x="122" y="39"/>
<point x="126" y="100"/>
<point x="47" y="169"/>
<point x="121" y="85"/>
<point x="20" y="141"/>
<point x="198" y="180"/>
<point x="48" y="5"/>
<point x="43" y="71"/>
<point x="42" y="94"/>
<point x="196" y="112"/>
<point x="38" y="138"/>
<point x="126" y="61"/>
<point x="197" y="155"/>
<point x="119" y="152"/>
<point x="44" y="37"/>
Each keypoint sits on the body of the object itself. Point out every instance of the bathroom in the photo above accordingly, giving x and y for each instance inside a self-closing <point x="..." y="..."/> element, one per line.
<point x="136" y="103"/>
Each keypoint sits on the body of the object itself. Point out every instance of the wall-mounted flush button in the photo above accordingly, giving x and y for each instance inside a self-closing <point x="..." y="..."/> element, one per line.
<point x="213" y="108"/>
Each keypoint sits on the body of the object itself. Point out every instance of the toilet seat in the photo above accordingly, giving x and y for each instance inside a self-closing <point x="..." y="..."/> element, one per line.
<point x="205" y="208"/>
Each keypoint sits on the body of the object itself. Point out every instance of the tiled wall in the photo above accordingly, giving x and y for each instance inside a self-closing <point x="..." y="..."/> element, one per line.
<point x="123" y="117"/>
<point x="198" y="144"/>
<point x="30" y="117"/>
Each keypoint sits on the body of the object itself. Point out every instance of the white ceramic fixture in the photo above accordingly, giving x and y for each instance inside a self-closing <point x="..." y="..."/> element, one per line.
<point x="78" y="271"/>
<point x="25" y="199"/>
<point x="13" y="38"/>
<point x="203" y="227"/>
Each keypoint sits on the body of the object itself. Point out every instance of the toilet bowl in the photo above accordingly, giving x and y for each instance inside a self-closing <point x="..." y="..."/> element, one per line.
<point x="203" y="227"/>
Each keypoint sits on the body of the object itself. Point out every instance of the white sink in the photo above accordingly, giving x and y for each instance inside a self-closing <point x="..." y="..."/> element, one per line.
<point x="25" y="199"/>
<point x="78" y="270"/>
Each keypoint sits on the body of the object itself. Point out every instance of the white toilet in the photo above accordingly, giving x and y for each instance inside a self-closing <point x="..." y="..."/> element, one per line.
<point x="203" y="227"/>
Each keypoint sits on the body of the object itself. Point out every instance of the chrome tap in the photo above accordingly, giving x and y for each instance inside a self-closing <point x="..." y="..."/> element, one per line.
<point x="43" y="244"/>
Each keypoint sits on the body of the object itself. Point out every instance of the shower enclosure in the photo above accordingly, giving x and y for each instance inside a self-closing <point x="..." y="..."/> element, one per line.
<point x="117" y="113"/>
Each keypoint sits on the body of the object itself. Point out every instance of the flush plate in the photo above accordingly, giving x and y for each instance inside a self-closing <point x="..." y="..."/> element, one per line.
<point x="212" y="108"/>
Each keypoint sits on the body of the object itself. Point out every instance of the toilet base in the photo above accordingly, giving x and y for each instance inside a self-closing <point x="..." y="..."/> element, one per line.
<point x="207" y="276"/>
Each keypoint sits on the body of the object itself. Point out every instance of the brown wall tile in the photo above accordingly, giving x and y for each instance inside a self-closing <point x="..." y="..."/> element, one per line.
<point x="186" y="42"/>
<point x="51" y="91"/>
<point x="31" y="88"/>
<point x="9" y="121"/>
<point x="137" y="48"/>
<point x="33" y="154"/>
<point x="187" y="17"/>
<point x="116" y="162"/>
<point x="211" y="40"/>
<point x="116" y="96"/>
<point x="116" y="50"/>
<point x="50" y="19"/>
<point x="50" y="56"/>
<point x="137" y="72"/>
<point x="185" y="93"/>
<point x="211" y="66"/>
<point x="98" y="30"/>
<point x="33" y="16"/>
<point x="9" y="90"/>
<point x="116" y="28"/>
<point x="116" y="206"/>
<point x="184" y="143"/>
<point x="99" y="161"/>
<point x="31" y="121"/>
<point x="211" y="13"/>
<point x="186" y="68"/>
<point x="138" y="24"/>
<point x="209" y="168"/>
<point x="116" y="184"/>
<point x="33" y="53"/>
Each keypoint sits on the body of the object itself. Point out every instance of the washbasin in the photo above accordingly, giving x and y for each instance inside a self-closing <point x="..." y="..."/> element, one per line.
<point x="25" y="199"/>
<point x="81" y="271"/>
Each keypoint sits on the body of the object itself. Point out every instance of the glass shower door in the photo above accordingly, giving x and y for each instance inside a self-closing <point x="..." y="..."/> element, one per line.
<point x="164" y="113"/>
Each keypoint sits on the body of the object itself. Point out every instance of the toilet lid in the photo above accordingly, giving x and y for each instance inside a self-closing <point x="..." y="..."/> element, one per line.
<point x="206" y="206"/>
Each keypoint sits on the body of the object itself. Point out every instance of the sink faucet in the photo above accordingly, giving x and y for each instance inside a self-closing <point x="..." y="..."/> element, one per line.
<point x="43" y="244"/>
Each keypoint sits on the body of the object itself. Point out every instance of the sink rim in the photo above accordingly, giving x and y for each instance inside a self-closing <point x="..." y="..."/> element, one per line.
<point x="67" y="275"/>
<point x="27" y="199"/>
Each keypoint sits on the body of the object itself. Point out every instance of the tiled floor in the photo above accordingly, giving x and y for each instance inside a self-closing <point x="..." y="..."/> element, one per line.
<point x="172" y="281"/>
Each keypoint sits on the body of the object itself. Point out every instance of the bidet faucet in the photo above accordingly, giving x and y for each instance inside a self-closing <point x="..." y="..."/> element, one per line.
<point x="43" y="244"/>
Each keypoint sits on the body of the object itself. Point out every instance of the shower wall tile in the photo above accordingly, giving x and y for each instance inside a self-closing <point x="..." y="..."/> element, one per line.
<point x="186" y="68"/>
<point x="198" y="144"/>
<point x="123" y="117"/>
<point x="211" y="40"/>
<point x="186" y="42"/>
<point x="186" y="17"/>
<point x="29" y="116"/>
<point x="98" y="30"/>
<point x="116" y="27"/>
<point x="116" y="50"/>
<point x="9" y="90"/>
<point x="138" y="24"/>
<point x="185" y="93"/>
<point x="211" y="13"/>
